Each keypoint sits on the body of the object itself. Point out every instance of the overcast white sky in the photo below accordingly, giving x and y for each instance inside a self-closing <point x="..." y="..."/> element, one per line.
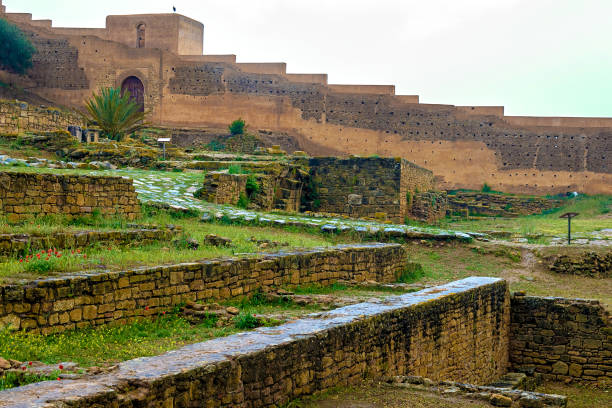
<point x="535" y="57"/>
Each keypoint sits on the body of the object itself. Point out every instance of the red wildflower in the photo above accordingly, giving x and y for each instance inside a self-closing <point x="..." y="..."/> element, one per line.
<point x="23" y="368"/>
<point x="59" y="379"/>
<point x="21" y="260"/>
<point x="84" y="255"/>
<point x="163" y="313"/>
<point x="78" y="251"/>
<point x="61" y="367"/>
<point x="146" y="307"/>
<point x="59" y="255"/>
<point x="38" y="256"/>
<point x="29" y="363"/>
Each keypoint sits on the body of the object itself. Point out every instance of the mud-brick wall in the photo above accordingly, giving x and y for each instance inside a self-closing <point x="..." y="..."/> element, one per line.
<point x="458" y="332"/>
<point x="563" y="339"/>
<point x="24" y="195"/>
<point x="57" y="304"/>
<point x="18" y="117"/>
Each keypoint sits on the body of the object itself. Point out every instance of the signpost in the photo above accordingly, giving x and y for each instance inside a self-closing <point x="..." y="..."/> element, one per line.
<point x="569" y="217"/>
<point x="163" y="141"/>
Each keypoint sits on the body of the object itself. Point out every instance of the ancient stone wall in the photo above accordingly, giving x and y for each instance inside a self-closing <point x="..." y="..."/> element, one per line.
<point x="23" y="244"/>
<point x="18" y="117"/>
<point x="24" y="195"/>
<point x="458" y="331"/>
<point x="592" y="262"/>
<point x="563" y="339"/>
<point x="429" y="206"/>
<point x="53" y="305"/>
<point x="498" y="205"/>
<point x="368" y="187"/>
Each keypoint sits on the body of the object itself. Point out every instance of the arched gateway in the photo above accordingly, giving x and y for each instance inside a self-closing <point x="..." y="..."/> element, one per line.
<point x="136" y="89"/>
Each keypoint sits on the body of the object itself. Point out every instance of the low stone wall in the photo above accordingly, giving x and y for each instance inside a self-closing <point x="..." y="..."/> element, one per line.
<point x="429" y="206"/>
<point x="563" y="339"/>
<point x="74" y="301"/>
<point x="24" y="195"/>
<point x="578" y="261"/>
<point x="458" y="331"/>
<point x="498" y="205"/>
<point x="22" y="244"/>
<point x="18" y="117"/>
<point x="281" y="190"/>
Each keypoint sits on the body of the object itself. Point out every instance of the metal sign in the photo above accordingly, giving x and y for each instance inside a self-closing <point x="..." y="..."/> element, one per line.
<point x="569" y="217"/>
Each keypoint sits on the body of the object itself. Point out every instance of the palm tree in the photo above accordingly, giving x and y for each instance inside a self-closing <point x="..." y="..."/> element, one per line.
<point x="116" y="114"/>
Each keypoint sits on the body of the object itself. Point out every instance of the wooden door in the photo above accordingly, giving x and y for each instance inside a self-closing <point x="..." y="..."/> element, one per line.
<point x="136" y="89"/>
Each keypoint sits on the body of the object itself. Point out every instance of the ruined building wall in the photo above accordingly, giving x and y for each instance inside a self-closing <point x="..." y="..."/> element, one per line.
<point x="562" y="339"/>
<point x="24" y="195"/>
<point x="465" y="147"/>
<point x="16" y="117"/>
<point x="458" y="331"/>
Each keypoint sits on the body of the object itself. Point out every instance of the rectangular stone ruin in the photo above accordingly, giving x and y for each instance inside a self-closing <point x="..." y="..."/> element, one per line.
<point x="458" y="331"/>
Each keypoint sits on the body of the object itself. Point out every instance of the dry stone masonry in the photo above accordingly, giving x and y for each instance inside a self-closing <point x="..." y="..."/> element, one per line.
<point x="458" y="331"/>
<point x="563" y="339"/>
<point x="74" y="301"/>
<point x="22" y="244"/>
<point x="17" y="117"/>
<point x="24" y="195"/>
<point x="498" y="205"/>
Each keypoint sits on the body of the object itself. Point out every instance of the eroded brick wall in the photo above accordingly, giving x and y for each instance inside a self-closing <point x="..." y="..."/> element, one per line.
<point x="53" y="305"/>
<point x="24" y="195"/>
<point x="18" y="117"/>
<point x="458" y="331"/>
<point x="563" y="339"/>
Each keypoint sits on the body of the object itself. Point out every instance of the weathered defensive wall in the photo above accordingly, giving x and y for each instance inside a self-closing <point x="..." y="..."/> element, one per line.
<point x="458" y="331"/>
<point x="465" y="146"/>
<point x="74" y="301"/>
<point x="20" y="116"/>
<point x="24" y="195"/>
<point x="562" y="339"/>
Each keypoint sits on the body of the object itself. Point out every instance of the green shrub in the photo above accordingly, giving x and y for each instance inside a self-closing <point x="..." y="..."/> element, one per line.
<point x="236" y="169"/>
<point x="237" y="127"/>
<point x="243" y="201"/>
<point x="409" y="197"/>
<point x="252" y="187"/>
<point x="486" y="188"/>
<point x="246" y="321"/>
<point x="411" y="273"/>
<point x="215" y="146"/>
<point x="11" y="379"/>
<point x="116" y="114"/>
<point x="16" y="50"/>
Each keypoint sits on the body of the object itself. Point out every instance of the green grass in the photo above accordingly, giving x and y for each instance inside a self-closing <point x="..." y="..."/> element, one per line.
<point x="109" y="344"/>
<point x="111" y="257"/>
<point x="13" y="379"/>
<point x="593" y="216"/>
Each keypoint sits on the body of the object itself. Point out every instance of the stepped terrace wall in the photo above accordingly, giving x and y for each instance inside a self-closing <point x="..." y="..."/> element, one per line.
<point x="18" y="117"/>
<point x="458" y="331"/>
<point x="563" y="339"/>
<point x="74" y="301"/>
<point x="22" y="244"/>
<point x="498" y="205"/>
<point x="24" y="195"/>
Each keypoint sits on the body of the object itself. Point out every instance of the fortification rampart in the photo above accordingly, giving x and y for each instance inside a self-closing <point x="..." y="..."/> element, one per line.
<point x="74" y="301"/>
<point x="464" y="146"/>
<point x="458" y="331"/>
<point x="24" y="195"/>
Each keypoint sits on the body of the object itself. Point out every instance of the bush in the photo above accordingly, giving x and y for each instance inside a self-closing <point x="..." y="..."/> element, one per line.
<point x="235" y="169"/>
<point x="116" y="114"/>
<point x="486" y="188"/>
<point x="237" y="127"/>
<point x="252" y="187"/>
<point x="411" y="273"/>
<point x="243" y="201"/>
<point x="246" y="321"/>
<point x="16" y="50"/>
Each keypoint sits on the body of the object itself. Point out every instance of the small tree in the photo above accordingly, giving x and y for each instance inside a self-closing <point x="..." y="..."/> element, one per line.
<point x="16" y="50"/>
<point x="116" y="114"/>
<point x="237" y="127"/>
